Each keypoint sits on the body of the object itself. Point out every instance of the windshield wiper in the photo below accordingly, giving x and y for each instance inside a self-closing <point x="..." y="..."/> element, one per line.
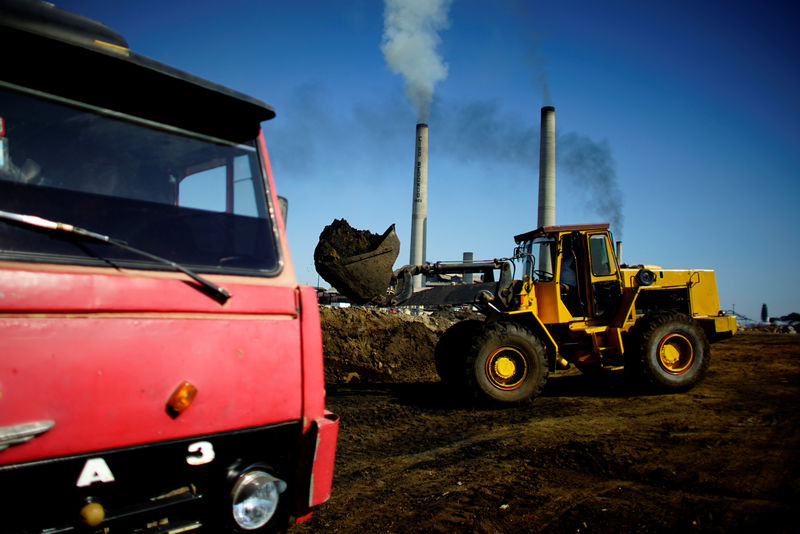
<point x="218" y="293"/>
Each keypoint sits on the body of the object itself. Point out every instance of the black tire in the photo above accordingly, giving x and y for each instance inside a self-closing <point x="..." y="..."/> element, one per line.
<point x="451" y="352"/>
<point x="670" y="351"/>
<point x="507" y="363"/>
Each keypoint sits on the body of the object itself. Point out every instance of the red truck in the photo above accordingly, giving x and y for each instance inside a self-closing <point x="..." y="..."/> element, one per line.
<point x="160" y="366"/>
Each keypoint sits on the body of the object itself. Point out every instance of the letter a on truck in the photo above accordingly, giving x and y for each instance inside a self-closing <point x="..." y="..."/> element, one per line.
<point x="160" y="366"/>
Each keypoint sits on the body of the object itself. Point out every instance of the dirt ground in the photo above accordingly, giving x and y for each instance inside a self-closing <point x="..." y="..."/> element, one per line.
<point x="588" y="455"/>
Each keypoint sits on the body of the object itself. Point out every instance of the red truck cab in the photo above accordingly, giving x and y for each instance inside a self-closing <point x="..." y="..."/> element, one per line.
<point x="160" y="366"/>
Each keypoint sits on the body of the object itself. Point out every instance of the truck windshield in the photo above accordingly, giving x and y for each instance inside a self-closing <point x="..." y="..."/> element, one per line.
<point x="198" y="201"/>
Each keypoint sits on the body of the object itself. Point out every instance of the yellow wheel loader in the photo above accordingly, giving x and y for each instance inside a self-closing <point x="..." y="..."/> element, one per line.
<point x="561" y="299"/>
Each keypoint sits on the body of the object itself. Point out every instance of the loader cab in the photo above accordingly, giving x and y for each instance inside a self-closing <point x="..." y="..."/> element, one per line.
<point x="586" y="280"/>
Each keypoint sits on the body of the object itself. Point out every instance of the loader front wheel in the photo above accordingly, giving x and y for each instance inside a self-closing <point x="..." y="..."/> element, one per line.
<point x="452" y="349"/>
<point x="507" y="363"/>
<point x="671" y="351"/>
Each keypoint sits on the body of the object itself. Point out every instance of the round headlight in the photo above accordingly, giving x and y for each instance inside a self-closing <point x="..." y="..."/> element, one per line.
<point x="255" y="498"/>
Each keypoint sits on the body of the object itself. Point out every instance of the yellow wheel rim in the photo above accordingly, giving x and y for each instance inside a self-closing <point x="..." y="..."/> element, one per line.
<point x="506" y="368"/>
<point x="675" y="353"/>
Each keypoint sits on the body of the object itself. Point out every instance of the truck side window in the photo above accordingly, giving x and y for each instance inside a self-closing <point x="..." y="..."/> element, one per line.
<point x="204" y="190"/>
<point x="207" y="189"/>
<point x="598" y="249"/>
<point x="244" y="188"/>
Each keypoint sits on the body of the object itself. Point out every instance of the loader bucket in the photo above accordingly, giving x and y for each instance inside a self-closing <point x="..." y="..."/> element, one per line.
<point x="357" y="263"/>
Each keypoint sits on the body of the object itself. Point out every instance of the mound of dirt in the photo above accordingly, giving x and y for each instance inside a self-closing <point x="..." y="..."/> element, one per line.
<point x="373" y="345"/>
<point x="377" y="346"/>
<point x="346" y="240"/>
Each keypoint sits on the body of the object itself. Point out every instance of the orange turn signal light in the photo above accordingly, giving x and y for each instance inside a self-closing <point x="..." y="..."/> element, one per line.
<point x="181" y="398"/>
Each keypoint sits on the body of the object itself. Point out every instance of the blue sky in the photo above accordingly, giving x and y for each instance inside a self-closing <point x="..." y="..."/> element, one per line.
<point x="690" y="107"/>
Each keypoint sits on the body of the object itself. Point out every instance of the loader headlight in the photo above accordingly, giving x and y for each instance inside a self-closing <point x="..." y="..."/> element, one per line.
<point x="255" y="498"/>
<point x="645" y="277"/>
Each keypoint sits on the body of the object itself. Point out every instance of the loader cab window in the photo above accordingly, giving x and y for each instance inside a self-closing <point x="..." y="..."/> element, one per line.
<point x="606" y="288"/>
<point x="598" y="249"/>
<point x="538" y="258"/>
<point x="571" y="275"/>
<point x="568" y="274"/>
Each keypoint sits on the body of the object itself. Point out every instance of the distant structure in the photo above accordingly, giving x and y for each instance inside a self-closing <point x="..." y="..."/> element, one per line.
<point x="468" y="257"/>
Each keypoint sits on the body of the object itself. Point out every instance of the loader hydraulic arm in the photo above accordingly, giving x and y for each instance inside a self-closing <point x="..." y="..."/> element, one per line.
<point x="502" y="294"/>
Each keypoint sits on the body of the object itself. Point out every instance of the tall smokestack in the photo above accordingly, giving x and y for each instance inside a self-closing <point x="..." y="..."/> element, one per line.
<point x="419" y="203"/>
<point x="547" y="179"/>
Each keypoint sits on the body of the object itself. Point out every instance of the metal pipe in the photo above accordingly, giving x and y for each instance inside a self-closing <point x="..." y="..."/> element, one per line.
<point x="419" y="204"/>
<point x="468" y="257"/>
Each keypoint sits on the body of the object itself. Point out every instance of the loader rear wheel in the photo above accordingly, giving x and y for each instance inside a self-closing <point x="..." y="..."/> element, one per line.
<point x="452" y="349"/>
<point x="671" y="351"/>
<point x="507" y="363"/>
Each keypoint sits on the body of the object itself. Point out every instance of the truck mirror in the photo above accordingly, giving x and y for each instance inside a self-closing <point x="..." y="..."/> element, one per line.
<point x="284" y="205"/>
<point x="4" y="159"/>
